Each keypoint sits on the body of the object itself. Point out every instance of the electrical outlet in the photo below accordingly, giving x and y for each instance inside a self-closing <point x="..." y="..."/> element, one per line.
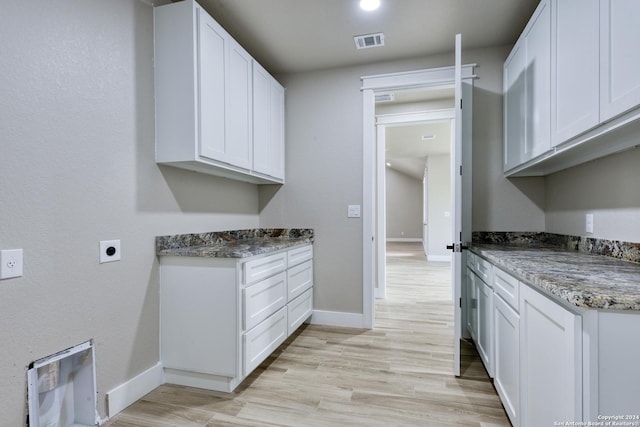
<point x="11" y="263"/>
<point x="589" y="223"/>
<point x="109" y="251"/>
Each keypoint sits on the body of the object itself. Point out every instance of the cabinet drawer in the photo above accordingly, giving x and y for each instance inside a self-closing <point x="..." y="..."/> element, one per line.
<point x="261" y="268"/>
<point x="263" y="299"/>
<point x="299" y="310"/>
<point x="299" y="279"/>
<point x="299" y="255"/>
<point x="471" y="260"/>
<point x="483" y="268"/>
<point x="507" y="287"/>
<point x="262" y="340"/>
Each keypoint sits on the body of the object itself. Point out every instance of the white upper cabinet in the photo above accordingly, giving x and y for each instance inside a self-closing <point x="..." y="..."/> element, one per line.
<point x="212" y="63"/>
<point x="620" y="65"/>
<point x="514" y="107"/>
<point x="537" y="43"/>
<point x="268" y="124"/>
<point x="592" y="93"/>
<point x="575" y="61"/>
<point x="240" y="107"/>
<point x="527" y="84"/>
<point x="204" y="97"/>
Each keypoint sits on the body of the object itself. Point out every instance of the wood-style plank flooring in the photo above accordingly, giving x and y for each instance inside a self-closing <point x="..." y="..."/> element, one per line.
<point x="398" y="374"/>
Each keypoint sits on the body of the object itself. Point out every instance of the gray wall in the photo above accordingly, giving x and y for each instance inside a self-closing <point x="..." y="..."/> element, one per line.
<point x="609" y="188"/>
<point x="438" y="224"/>
<point x="404" y="205"/>
<point x="76" y="167"/>
<point x="324" y="168"/>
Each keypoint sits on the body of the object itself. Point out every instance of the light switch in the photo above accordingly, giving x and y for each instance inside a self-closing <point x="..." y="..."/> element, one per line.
<point x="353" y="211"/>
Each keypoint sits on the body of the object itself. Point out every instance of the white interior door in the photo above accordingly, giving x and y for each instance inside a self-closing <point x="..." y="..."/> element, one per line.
<point x="460" y="192"/>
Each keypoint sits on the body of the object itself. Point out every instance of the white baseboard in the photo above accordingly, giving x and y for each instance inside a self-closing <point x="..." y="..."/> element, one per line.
<point x="127" y="393"/>
<point x="337" y="318"/>
<point x="439" y="258"/>
<point x="404" y="239"/>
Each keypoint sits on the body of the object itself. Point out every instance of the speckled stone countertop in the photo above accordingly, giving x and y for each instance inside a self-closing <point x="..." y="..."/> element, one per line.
<point x="583" y="280"/>
<point x="234" y="243"/>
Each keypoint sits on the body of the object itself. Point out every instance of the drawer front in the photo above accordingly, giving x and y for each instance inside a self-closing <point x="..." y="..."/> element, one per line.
<point x="507" y="287"/>
<point x="483" y="268"/>
<point x="471" y="260"/>
<point x="299" y="255"/>
<point x="262" y="340"/>
<point x="299" y="279"/>
<point x="261" y="268"/>
<point x="299" y="310"/>
<point x="263" y="299"/>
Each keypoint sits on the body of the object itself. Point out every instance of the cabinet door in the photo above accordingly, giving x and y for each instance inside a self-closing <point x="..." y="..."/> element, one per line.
<point x="550" y="361"/>
<point x="239" y="133"/>
<point x="619" y="64"/>
<point x="268" y="124"/>
<point x="276" y="123"/>
<point x="537" y="43"/>
<point x="472" y="304"/>
<point x="575" y="64"/>
<point x="212" y="71"/>
<point x="514" y="107"/>
<point x="506" y="326"/>
<point x="485" y="326"/>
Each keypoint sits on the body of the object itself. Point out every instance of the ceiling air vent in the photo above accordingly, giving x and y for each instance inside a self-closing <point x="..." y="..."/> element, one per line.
<point x="385" y="97"/>
<point x="369" y="40"/>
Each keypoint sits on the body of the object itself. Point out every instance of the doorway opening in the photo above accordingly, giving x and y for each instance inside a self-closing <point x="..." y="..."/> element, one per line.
<point x="413" y="200"/>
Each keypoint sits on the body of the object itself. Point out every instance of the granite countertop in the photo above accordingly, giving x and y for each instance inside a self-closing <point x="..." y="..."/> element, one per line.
<point x="583" y="280"/>
<point x="234" y="243"/>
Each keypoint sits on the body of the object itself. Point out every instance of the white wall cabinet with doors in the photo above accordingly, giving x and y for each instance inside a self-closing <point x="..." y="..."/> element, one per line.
<point x="619" y="65"/>
<point x="268" y="124"/>
<point x="204" y="97"/>
<point x="575" y="63"/>
<point x="527" y="85"/>
<point x="221" y="317"/>
<point x="594" y="91"/>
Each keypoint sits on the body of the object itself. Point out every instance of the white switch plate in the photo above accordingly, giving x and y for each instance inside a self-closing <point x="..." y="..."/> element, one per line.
<point x="109" y="251"/>
<point x="353" y="211"/>
<point x="11" y="263"/>
<point x="589" y="223"/>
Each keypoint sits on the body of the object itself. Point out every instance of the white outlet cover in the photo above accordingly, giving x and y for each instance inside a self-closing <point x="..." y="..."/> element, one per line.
<point x="589" y="223"/>
<point x="105" y="251"/>
<point x="353" y="211"/>
<point x="11" y="263"/>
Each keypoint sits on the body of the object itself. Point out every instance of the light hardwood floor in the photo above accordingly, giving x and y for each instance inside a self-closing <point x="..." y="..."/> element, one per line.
<point x="398" y="374"/>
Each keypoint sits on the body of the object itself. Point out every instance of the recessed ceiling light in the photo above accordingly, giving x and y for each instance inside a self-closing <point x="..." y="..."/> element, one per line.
<point x="388" y="164"/>
<point x="369" y="5"/>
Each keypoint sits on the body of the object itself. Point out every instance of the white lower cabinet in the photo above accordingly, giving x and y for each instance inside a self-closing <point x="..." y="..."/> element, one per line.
<point x="262" y="340"/>
<point x="221" y="317"/>
<point x="506" y="323"/>
<point x="550" y="361"/>
<point x="484" y="342"/>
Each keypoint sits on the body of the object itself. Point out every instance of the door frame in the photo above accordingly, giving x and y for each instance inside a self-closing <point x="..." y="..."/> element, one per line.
<point x="433" y="77"/>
